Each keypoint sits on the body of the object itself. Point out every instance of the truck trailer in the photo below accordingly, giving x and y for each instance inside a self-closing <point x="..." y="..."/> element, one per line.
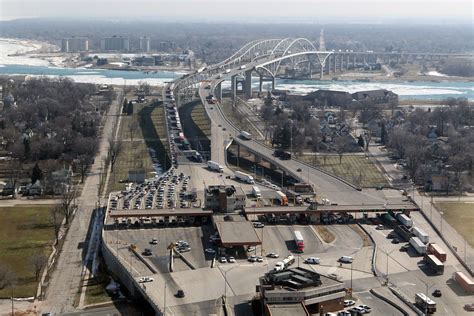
<point x="405" y="220"/>
<point x="434" y="263"/>
<point x="299" y="241"/>
<point x="256" y="192"/>
<point x="464" y="281"/>
<point x="418" y="232"/>
<point x="244" y="177"/>
<point x="282" y="198"/>
<point x="419" y="246"/>
<point x="437" y="251"/>
<point x="212" y="165"/>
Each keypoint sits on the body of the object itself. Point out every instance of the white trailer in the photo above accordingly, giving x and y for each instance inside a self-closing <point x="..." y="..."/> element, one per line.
<point x="244" y="177"/>
<point x="418" y="232"/>
<point x="419" y="246"/>
<point x="212" y="165"/>
<point x="405" y="220"/>
<point x="256" y="192"/>
<point x="245" y="135"/>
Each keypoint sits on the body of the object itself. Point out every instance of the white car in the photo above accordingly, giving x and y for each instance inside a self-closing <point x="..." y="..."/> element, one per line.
<point x="223" y="260"/>
<point x="145" y="279"/>
<point x="209" y="250"/>
<point x="231" y="260"/>
<point x="349" y="303"/>
<point x="272" y="255"/>
<point x="312" y="260"/>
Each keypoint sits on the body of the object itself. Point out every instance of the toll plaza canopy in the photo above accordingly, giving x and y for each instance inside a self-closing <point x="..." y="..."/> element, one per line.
<point x="237" y="233"/>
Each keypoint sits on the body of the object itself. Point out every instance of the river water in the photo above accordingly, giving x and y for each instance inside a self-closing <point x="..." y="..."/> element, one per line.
<point x="416" y="90"/>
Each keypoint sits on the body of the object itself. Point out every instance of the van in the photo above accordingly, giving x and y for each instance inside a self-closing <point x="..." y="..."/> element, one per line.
<point x="346" y="259"/>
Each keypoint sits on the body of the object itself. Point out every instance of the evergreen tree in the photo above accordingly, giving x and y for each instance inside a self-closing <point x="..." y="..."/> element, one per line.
<point x="361" y="141"/>
<point x="383" y="135"/>
<point x="36" y="174"/>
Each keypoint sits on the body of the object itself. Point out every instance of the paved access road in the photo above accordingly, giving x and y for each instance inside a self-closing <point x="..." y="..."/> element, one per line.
<point x="62" y="292"/>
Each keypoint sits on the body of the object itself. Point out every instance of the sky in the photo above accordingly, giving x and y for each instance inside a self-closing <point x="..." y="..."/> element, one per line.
<point x="313" y="11"/>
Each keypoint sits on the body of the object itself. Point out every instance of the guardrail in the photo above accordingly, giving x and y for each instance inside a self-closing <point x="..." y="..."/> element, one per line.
<point x="388" y="301"/>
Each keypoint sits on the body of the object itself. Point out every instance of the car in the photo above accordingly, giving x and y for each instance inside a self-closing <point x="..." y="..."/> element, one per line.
<point x="154" y="241"/>
<point x="405" y="247"/>
<point x="223" y="260"/>
<point x="469" y="307"/>
<point x="379" y="227"/>
<point x="210" y="250"/>
<point x="252" y="258"/>
<point x="349" y="303"/>
<point x="145" y="279"/>
<point x="231" y="260"/>
<point x="437" y="293"/>
<point x="251" y="248"/>
<point x="180" y="294"/>
<point x="312" y="260"/>
<point x="365" y="307"/>
<point x="272" y="255"/>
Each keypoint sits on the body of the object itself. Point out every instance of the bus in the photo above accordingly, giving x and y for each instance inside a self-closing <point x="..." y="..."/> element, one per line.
<point x="425" y="303"/>
<point x="435" y="264"/>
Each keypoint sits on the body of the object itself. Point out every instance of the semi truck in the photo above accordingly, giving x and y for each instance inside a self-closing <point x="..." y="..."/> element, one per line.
<point x="434" y="263"/>
<point x="282" y="198"/>
<point x="425" y="303"/>
<point x="212" y="165"/>
<point x="403" y="232"/>
<point x="389" y="220"/>
<point x="418" y="232"/>
<point x="287" y="261"/>
<point x="256" y="192"/>
<point x="405" y="220"/>
<point x="419" y="246"/>
<point x="299" y="241"/>
<point x="435" y="249"/>
<point x="245" y="135"/>
<point x="244" y="177"/>
<point x="464" y="281"/>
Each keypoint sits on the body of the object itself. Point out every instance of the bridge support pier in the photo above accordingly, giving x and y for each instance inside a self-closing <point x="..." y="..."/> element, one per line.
<point x="233" y="86"/>
<point x="218" y="90"/>
<point x="248" y="84"/>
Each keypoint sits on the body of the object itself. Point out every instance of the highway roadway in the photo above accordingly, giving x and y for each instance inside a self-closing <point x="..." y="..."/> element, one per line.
<point x="327" y="186"/>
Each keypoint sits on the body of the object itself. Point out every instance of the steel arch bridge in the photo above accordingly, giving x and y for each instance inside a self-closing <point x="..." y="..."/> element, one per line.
<point x="265" y="57"/>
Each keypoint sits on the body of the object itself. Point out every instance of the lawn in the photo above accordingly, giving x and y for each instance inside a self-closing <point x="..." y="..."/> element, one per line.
<point x="26" y="230"/>
<point x="357" y="169"/>
<point x="150" y="132"/>
<point x="461" y="217"/>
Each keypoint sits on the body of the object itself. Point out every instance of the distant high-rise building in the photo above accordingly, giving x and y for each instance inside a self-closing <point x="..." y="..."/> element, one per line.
<point x="115" y="43"/>
<point x="75" y="44"/>
<point x="144" y="44"/>
<point x="165" y="46"/>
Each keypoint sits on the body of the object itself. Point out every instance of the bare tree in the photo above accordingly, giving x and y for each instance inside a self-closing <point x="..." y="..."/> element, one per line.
<point x="37" y="262"/>
<point x="67" y="199"/>
<point x="115" y="147"/>
<point x="132" y="128"/>
<point x="56" y="220"/>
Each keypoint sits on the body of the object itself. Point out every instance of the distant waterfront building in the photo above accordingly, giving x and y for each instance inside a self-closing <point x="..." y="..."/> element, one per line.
<point x="144" y="44"/>
<point x="75" y="44"/>
<point x="115" y="43"/>
<point x="166" y="46"/>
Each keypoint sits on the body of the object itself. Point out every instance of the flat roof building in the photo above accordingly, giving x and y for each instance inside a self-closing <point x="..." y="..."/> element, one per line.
<point x="318" y="293"/>
<point x="115" y="43"/>
<point x="75" y="44"/>
<point x="224" y="198"/>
